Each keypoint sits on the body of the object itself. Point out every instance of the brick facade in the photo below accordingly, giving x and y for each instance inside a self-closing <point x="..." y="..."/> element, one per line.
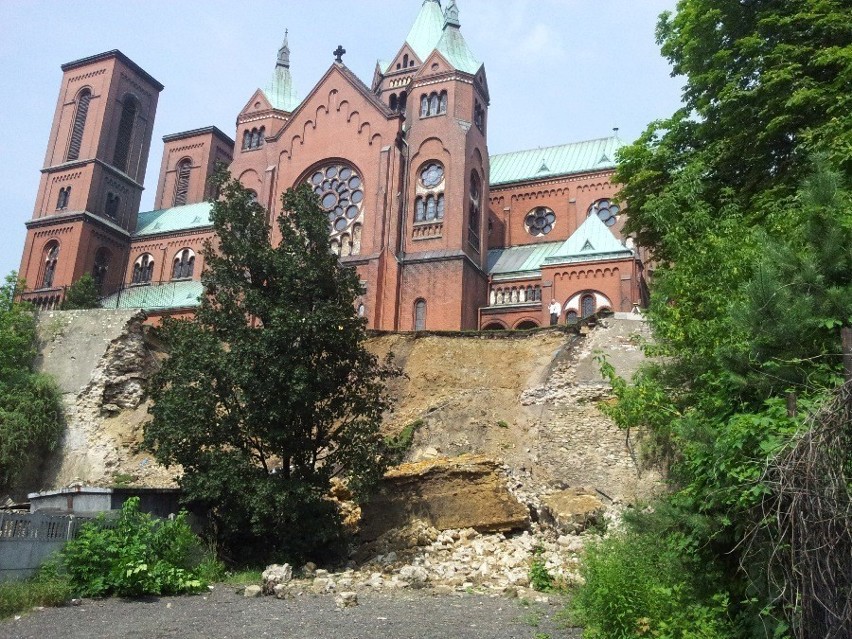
<point x="402" y="166"/>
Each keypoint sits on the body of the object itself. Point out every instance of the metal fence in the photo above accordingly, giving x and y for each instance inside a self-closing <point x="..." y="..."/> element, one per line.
<point x="26" y="540"/>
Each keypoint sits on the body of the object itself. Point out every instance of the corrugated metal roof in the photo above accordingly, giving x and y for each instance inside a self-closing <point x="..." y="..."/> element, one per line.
<point x="153" y="297"/>
<point x="591" y="241"/>
<point x="178" y="218"/>
<point x="520" y="259"/>
<point x="427" y="29"/>
<point x="454" y="48"/>
<point x="537" y="164"/>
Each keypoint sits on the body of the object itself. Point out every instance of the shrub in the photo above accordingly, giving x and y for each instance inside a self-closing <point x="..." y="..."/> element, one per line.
<point x="134" y="555"/>
<point x="638" y="585"/>
<point x="540" y="577"/>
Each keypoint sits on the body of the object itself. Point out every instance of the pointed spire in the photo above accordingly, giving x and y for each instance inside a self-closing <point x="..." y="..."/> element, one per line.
<point x="284" y="51"/>
<point x="451" y="15"/>
<point x="280" y="91"/>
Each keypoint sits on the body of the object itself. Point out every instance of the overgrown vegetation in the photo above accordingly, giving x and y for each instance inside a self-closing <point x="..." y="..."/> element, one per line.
<point x="269" y="392"/>
<point x="743" y="197"/>
<point x="42" y="590"/>
<point x="540" y="577"/>
<point x="82" y="294"/>
<point x="30" y="409"/>
<point x="134" y="555"/>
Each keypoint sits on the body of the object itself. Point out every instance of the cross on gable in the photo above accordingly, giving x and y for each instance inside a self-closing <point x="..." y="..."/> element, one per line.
<point x="338" y="53"/>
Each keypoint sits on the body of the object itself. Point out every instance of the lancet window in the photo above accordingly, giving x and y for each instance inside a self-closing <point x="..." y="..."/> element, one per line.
<point x="79" y="125"/>
<point x="184" y="265"/>
<point x="51" y="258"/>
<point x="433" y="104"/>
<point x="143" y="269"/>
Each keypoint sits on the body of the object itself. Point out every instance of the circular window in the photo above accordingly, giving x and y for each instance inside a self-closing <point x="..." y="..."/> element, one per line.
<point x="432" y="175"/>
<point x="540" y="221"/>
<point x="341" y="193"/>
<point x="606" y="210"/>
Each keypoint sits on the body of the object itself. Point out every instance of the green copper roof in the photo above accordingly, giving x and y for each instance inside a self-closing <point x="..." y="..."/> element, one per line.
<point x="427" y="29"/>
<point x="520" y="259"/>
<point x="280" y="91"/>
<point x="178" y="218"/>
<point x="453" y="47"/>
<point x="591" y="241"/>
<point x="537" y="164"/>
<point x="152" y="297"/>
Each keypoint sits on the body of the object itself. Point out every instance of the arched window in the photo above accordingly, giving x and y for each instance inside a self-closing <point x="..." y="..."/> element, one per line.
<point x="51" y="257"/>
<point x="99" y="270"/>
<point x="112" y="204"/>
<point x="79" y="126"/>
<point x="429" y="206"/>
<point x="403" y="101"/>
<point x="261" y="136"/>
<point x="182" y="182"/>
<point x="125" y="133"/>
<point x="587" y="305"/>
<point x="62" y="200"/>
<point x="571" y="317"/>
<point x="479" y="117"/>
<point x="474" y="210"/>
<point x="246" y="139"/>
<point x="434" y="104"/>
<point x="393" y="102"/>
<point x="405" y="60"/>
<point x="424" y="106"/>
<point x="184" y="265"/>
<point x="252" y="195"/>
<point x="442" y="106"/>
<point x="143" y="269"/>
<point x="420" y="315"/>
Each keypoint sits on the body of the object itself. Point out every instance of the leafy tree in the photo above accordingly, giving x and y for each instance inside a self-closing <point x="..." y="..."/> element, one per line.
<point x="743" y="199"/>
<point x="30" y="409"/>
<point x="269" y="392"/>
<point x="82" y="294"/>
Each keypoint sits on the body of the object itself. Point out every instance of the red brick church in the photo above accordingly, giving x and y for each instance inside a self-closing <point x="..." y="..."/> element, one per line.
<point x="443" y="235"/>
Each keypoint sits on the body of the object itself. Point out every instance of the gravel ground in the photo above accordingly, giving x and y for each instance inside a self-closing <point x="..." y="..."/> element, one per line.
<point x="226" y="614"/>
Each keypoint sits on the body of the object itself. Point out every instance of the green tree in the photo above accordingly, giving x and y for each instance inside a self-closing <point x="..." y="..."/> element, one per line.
<point x="82" y="294"/>
<point x="742" y="197"/>
<point x="269" y="392"/>
<point x="30" y="409"/>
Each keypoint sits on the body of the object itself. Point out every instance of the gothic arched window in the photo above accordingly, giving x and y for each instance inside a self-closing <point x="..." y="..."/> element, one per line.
<point x="246" y="139"/>
<point x="125" y="133"/>
<point x="587" y="306"/>
<point x="143" y="269"/>
<point x="51" y="257"/>
<point x="420" y="315"/>
<point x="429" y="205"/>
<point x="112" y="204"/>
<point x="434" y="104"/>
<point x="79" y="126"/>
<point x="182" y="182"/>
<point x="442" y="106"/>
<point x="424" y="106"/>
<point x="184" y="265"/>
<point x="474" y="210"/>
<point x="62" y="200"/>
<point x="99" y="270"/>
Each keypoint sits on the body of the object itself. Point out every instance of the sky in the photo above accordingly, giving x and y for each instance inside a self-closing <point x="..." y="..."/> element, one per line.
<point x="558" y="71"/>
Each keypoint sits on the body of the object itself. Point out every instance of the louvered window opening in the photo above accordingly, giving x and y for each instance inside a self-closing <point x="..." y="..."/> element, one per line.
<point x="182" y="186"/>
<point x="125" y="134"/>
<point x="79" y="125"/>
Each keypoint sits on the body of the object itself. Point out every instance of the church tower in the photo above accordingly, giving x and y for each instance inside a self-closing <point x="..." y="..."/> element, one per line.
<point x="441" y="87"/>
<point x="93" y="176"/>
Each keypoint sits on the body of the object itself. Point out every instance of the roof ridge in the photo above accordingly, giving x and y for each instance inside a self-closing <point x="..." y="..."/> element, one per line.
<point x="556" y="146"/>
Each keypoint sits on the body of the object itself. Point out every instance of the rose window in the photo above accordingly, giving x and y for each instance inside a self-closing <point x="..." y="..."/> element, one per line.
<point x="432" y="175"/>
<point x="341" y="194"/>
<point x="606" y="210"/>
<point x="540" y="221"/>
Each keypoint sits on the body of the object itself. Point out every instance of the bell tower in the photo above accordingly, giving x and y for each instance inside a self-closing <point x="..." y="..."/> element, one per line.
<point x="93" y="176"/>
<point x="444" y="234"/>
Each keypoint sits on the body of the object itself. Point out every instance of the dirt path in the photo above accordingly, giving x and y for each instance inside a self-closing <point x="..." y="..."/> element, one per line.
<point x="225" y="614"/>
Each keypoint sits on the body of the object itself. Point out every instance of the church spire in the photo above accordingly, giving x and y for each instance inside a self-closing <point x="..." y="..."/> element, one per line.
<point x="280" y="91"/>
<point x="451" y="15"/>
<point x="284" y="51"/>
